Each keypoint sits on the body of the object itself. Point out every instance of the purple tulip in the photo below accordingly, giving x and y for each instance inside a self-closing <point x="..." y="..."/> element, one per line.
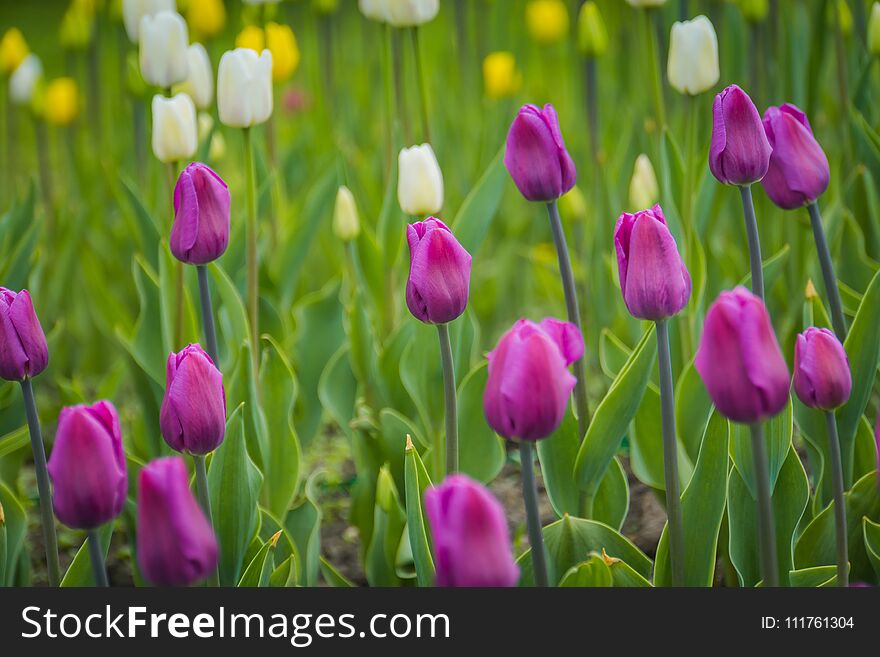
<point x="653" y="278"/>
<point x="200" y="233"/>
<point x="23" y="350"/>
<point x="175" y="543"/>
<point x="798" y="172"/>
<point x="471" y="541"/>
<point x="529" y="383"/>
<point x="87" y="466"/>
<point x="740" y="152"/>
<point x="193" y="413"/>
<point x="739" y="359"/>
<point x="821" y="370"/>
<point x="439" y="273"/>
<point x="536" y="157"/>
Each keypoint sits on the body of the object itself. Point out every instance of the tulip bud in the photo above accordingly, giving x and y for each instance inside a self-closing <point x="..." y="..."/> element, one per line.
<point x="592" y="35"/>
<point x="844" y="17"/>
<point x="76" y="28"/>
<point x="346" y="223"/>
<point x="281" y="42"/>
<point x="199" y="83"/>
<point x="62" y="101"/>
<point x="325" y="6"/>
<point x="798" y="173"/>
<point x="535" y="155"/>
<point x="175" y="135"/>
<point x="163" y="43"/>
<point x="176" y="545"/>
<point x="471" y="541"/>
<point x="822" y="378"/>
<point x="87" y="466"/>
<point x="500" y="76"/>
<point x="529" y="384"/>
<point x="644" y="192"/>
<point x="739" y="359"/>
<point x="740" y="152"/>
<point x="375" y="10"/>
<point x="419" y="181"/>
<point x="13" y="50"/>
<point x="874" y="30"/>
<point x="410" y="13"/>
<point x="693" y="56"/>
<point x="193" y="413"/>
<point x="206" y="18"/>
<point x="200" y="233"/>
<point x="653" y="278"/>
<point x="439" y="273"/>
<point x="244" y="88"/>
<point x="646" y="3"/>
<point x="754" y="11"/>
<point x="547" y="20"/>
<point x="24" y="80"/>
<point x="23" y="349"/>
<point x="134" y="10"/>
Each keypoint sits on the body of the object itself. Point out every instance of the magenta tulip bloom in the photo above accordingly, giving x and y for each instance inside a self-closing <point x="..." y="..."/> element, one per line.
<point x="439" y="273"/>
<point x="653" y="278"/>
<point x="200" y="233"/>
<point x="798" y="172"/>
<point x="193" y="413"/>
<point x="529" y="383"/>
<point x="471" y="541"/>
<point x="87" y="466"/>
<point x="821" y="370"/>
<point x="536" y="157"/>
<point x="739" y="359"/>
<point x="23" y="350"/>
<point x="740" y="152"/>
<point x="175" y="543"/>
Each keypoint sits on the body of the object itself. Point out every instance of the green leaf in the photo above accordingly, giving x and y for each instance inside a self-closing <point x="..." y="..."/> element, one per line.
<point x="14" y="441"/>
<point x="337" y="389"/>
<point x="261" y="567"/>
<point x="593" y="572"/>
<point x="481" y="451"/>
<point x="285" y="575"/>
<point x="389" y="524"/>
<point x="772" y="266"/>
<point x="417" y="481"/>
<point x="777" y="436"/>
<point x="613" y="415"/>
<point x="871" y="531"/>
<point x="304" y="524"/>
<point x="612" y="499"/>
<point x="16" y="530"/>
<point x="80" y="572"/>
<point x="646" y="445"/>
<point x="789" y="501"/>
<point x="471" y="224"/>
<point x="702" y="507"/>
<point x="333" y="577"/>
<point x="693" y="407"/>
<point x="232" y="316"/>
<point x="625" y="576"/>
<point x="556" y="454"/>
<point x="234" y="485"/>
<point x="817" y="576"/>
<point x="569" y="539"/>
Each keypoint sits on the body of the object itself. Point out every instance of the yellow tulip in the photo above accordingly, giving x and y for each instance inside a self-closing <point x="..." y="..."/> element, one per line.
<point x="13" y="50"/>
<point x="206" y="18"/>
<point x="500" y="76"/>
<point x="547" y="20"/>
<point x="281" y="42"/>
<point x="251" y="37"/>
<point x="62" y="101"/>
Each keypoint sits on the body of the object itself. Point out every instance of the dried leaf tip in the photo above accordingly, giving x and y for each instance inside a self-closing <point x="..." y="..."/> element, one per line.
<point x="274" y="540"/>
<point x="609" y="561"/>
<point x="2" y="516"/>
<point x="409" y="443"/>
<point x="810" y="291"/>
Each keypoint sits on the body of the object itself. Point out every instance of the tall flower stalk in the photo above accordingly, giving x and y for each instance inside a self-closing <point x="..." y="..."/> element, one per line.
<point x="838" y="320"/>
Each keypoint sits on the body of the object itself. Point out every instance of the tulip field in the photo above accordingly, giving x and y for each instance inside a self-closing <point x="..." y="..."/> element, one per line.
<point x="454" y="293"/>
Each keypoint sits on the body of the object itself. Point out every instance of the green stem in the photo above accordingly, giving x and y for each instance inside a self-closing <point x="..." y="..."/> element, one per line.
<point x="670" y="456"/>
<point x="656" y="67"/>
<point x="574" y="316"/>
<point x="252" y="262"/>
<point x="208" y="314"/>
<point x="42" y="473"/>
<point x="690" y="163"/>
<point x="837" y="318"/>
<point x="533" y="518"/>
<point x="766" y="525"/>
<point x="590" y="85"/>
<point x="754" y="241"/>
<point x="839" y="502"/>
<point x="96" y="554"/>
<point x="449" y="398"/>
<point x="205" y="502"/>
<point x="420" y="80"/>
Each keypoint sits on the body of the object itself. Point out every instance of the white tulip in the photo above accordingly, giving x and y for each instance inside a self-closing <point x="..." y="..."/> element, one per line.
<point x="175" y="134"/>
<point x="199" y="83"/>
<point x="24" y="80"/>
<point x="419" y="181"/>
<point x="346" y="222"/>
<point x="375" y="10"/>
<point x="244" y="87"/>
<point x="163" y="42"/>
<point x="646" y="3"/>
<point x="644" y="191"/>
<point x="693" y="56"/>
<point x="408" y="13"/>
<point x="134" y="10"/>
